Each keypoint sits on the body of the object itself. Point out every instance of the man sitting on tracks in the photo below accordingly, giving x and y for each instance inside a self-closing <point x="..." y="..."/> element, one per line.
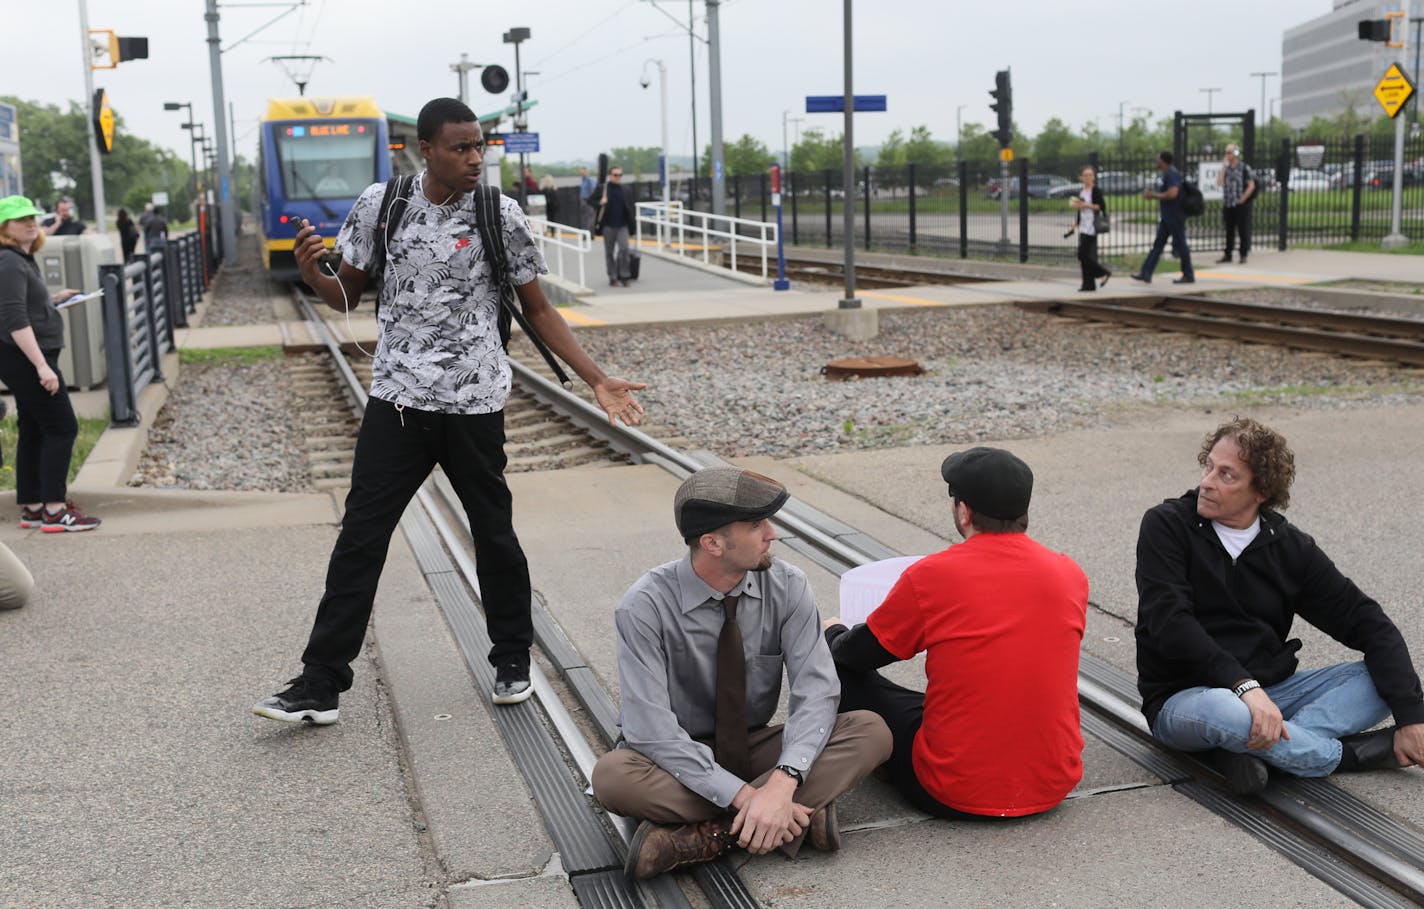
<point x="996" y="732"/>
<point x="701" y="645"/>
<point x="440" y="378"/>
<point x="1221" y="575"/>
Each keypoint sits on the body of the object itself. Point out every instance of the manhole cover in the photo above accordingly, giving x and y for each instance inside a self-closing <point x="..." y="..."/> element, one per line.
<point x="870" y="368"/>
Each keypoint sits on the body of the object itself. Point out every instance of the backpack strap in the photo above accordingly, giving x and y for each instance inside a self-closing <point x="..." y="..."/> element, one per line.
<point x="394" y="202"/>
<point x="490" y="221"/>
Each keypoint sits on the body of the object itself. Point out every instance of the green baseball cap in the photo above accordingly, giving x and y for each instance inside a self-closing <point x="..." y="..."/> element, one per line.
<point x="12" y="207"/>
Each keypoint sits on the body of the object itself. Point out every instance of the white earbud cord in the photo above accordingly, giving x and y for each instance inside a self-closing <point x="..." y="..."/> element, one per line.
<point x="390" y="263"/>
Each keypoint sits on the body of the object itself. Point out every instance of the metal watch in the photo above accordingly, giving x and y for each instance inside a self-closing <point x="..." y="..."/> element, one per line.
<point x="1248" y="685"/>
<point x="791" y="772"/>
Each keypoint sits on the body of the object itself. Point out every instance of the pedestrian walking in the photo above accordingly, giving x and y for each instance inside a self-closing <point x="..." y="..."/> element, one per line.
<point x="551" y="200"/>
<point x="587" y="212"/>
<point x="1171" y="223"/>
<point x="31" y="337"/>
<point x="1238" y="192"/>
<point x="155" y="232"/>
<point x="615" y="217"/>
<point x="128" y="233"/>
<point x="1090" y="214"/>
<point x="439" y="381"/>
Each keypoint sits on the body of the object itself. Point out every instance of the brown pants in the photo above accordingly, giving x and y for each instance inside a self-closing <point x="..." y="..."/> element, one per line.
<point x="627" y="783"/>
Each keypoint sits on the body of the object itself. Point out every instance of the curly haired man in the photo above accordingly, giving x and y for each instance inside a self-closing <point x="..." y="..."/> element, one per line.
<point x="1221" y="575"/>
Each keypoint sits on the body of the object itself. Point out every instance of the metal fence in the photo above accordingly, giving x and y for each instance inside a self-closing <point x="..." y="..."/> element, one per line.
<point x="955" y="210"/>
<point x="144" y="301"/>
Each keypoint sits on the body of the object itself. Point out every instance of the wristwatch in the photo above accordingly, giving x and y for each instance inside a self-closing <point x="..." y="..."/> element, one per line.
<point x="791" y="772"/>
<point x="1248" y="685"/>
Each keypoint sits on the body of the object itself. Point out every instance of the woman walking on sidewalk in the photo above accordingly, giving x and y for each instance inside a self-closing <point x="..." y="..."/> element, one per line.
<point x="31" y="337"/>
<point x="1090" y="212"/>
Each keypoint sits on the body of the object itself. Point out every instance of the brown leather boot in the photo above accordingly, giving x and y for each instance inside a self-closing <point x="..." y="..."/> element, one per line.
<point x="1368" y="751"/>
<point x="657" y="848"/>
<point x="825" y="830"/>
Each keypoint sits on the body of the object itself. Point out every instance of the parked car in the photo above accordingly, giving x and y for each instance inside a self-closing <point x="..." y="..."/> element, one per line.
<point x="1120" y="181"/>
<point x="1040" y="186"/>
<point x="1309" y="181"/>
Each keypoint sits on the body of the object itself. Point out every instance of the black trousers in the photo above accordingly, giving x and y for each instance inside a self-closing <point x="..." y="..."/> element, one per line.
<point x="1238" y="218"/>
<point x="903" y="710"/>
<point x="46" y="424"/>
<point x="1088" y="260"/>
<point x="395" y="452"/>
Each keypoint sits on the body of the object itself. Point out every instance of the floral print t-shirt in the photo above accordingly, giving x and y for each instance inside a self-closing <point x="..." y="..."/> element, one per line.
<point x="439" y="347"/>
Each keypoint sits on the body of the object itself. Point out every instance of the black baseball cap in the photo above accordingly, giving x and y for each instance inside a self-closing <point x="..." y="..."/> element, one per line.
<point x="992" y="481"/>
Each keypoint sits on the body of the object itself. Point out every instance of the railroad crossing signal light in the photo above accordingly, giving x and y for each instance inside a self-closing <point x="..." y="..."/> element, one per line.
<point x="116" y="48"/>
<point x="1374" y="30"/>
<point x="1003" y="105"/>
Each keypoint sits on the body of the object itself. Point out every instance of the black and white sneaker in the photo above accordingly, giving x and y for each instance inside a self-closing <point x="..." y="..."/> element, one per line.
<point x="304" y="701"/>
<point x="511" y="682"/>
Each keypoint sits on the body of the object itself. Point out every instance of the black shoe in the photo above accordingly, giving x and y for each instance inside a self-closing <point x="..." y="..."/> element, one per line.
<point x="1140" y="277"/>
<point x="1245" y="774"/>
<point x="1368" y="751"/>
<point x="511" y="682"/>
<point x="1224" y="260"/>
<point x="1083" y="289"/>
<point x="1243" y="258"/>
<point x="1184" y="280"/>
<point x="1104" y="281"/>
<point x="304" y="701"/>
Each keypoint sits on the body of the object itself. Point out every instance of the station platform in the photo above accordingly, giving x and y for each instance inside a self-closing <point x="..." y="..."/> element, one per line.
<point x="134" y="774"/>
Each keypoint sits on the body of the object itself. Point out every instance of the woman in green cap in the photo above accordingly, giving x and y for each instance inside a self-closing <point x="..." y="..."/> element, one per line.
<point x="31" y="337"/>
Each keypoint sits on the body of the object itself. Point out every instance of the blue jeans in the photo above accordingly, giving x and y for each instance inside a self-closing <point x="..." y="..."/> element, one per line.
<point x="1319" y="706"/>
<point x="1175" y="230"/>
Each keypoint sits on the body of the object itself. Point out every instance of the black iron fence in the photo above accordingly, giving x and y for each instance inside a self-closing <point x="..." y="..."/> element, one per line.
<point x="1310" y="194"/>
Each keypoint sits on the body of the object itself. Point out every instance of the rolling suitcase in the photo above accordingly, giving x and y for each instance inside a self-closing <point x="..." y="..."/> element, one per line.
<point x="635" y="264"/>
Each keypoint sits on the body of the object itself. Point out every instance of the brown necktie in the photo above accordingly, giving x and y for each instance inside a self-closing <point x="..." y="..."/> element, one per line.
<point x="730" y="736"/>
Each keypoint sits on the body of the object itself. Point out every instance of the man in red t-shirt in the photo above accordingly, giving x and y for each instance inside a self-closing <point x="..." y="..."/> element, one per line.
<point x="996" y="733"/>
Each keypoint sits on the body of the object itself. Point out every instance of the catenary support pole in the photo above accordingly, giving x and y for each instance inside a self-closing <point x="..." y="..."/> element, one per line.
<point x="225" y="193"/>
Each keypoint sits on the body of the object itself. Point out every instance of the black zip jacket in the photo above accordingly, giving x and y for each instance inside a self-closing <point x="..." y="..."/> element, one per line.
<point x="1206" y="619"/>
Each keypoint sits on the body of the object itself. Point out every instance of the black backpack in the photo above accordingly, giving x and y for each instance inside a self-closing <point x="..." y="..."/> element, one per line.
<point x="1191" y="195"/>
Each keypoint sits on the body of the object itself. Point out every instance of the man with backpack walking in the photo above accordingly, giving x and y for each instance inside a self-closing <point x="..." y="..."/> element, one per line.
<point x="1171" y="195"/>
<point x="440" y="377"/>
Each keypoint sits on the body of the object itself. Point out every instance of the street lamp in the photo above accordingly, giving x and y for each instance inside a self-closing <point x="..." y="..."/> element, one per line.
<point x="1209" y="92"/>
<point x="517" y="36"/>
<point x="192" y="155"/>
<point x="785" y="148"/>
<point x="1261" y="111"/>
<point x="959" y="132"/>
<point x="663" y="168"/>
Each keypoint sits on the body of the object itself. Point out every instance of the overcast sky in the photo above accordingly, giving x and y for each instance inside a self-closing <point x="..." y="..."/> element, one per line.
<point x="1077" y="61"/>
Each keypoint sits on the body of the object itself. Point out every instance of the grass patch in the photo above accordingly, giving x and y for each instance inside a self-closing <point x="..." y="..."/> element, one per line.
<point x="1412" y="248"/>
<point x="90" y="429"/>
<point x="229" y="356"/>
<point x="1267" y="395"/>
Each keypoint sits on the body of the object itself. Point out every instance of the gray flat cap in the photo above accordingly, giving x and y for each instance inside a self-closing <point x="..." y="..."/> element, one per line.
<point x="717" y="496"/>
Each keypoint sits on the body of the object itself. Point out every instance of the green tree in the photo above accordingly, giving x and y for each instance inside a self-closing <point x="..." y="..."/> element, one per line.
<point x="819" y="152"/>
<point x="892" y="151"/>
<point x="641" y="161"/>
<point x="748" y="156"/>
<point x="1057" y="144"/>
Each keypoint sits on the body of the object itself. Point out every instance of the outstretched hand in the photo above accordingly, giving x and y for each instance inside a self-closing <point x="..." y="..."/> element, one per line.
<point x="615" y="396"/>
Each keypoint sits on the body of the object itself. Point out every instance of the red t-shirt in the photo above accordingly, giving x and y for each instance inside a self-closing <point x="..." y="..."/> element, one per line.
<point x="1002" y="619"/>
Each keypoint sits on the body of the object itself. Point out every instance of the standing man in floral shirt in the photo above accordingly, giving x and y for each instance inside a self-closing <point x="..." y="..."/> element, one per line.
<point x="1238" y="191"/>
<point x="440" y="378"/>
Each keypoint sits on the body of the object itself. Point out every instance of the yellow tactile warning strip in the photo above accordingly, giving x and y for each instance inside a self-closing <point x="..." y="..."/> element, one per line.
<point x="575" y="317"/>
<point x="900" y="298"/>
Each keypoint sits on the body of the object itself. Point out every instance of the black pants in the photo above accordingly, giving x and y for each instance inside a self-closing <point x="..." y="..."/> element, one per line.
<point x="1088" y="259"/>
<point x="46" y="424"/>
<point x="1237" y="218"/>
<point x="392" y="461"/>
<point x="903" y="711"/>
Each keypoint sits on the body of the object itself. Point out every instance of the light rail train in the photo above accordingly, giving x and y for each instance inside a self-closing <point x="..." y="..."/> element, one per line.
<point x="315" y="157"/>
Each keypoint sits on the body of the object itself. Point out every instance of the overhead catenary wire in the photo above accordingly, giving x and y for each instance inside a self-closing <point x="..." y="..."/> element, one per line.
<point x="584" y="33"/>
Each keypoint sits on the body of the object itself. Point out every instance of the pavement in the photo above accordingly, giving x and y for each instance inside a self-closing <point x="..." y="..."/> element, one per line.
<point x="133" y="775"/>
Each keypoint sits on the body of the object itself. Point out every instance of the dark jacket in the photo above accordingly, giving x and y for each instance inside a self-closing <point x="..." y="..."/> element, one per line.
<point x="25" y="301"/>
<point x="596" y="200"/>
<point x="1206" y="619"/>
<point x="1099" y="200"/>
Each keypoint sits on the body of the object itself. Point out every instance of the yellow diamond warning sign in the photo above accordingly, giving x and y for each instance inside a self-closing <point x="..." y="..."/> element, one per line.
<point x="1394" y="90"/>
<point x="103" y="121"/>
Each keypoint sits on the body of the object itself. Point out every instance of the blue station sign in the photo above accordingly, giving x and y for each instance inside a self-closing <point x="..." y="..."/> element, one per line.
<point x="835" y="104"/>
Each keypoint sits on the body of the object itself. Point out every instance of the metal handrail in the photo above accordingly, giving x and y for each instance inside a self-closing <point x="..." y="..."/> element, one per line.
<point x="561" y="237"/>
<point x="672" y="216"/>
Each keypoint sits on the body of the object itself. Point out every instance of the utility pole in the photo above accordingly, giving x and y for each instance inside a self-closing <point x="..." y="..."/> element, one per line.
<point x="1121" y="128"/>
<point x="692" y="61"/>
<point x="96" y="168"/>
<point x="1209" y="92"/>
<point x="1263" y="77"/>
<point x="1396" y="236"/>
<point x="850" y="301"/>
<point x="786" y="149"/>
<point x="958" y="132"/>
<point x="225" y="194"/>
<point x="462" y="69"/>
<point x="516" y="36"/>
<point x="714" y="75"/>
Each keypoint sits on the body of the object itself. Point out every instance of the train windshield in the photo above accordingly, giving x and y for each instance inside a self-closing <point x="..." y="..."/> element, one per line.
<point x="326" y="160"/>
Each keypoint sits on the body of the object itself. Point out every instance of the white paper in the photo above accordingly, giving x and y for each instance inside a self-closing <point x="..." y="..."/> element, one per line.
<point x="78" y="298"/>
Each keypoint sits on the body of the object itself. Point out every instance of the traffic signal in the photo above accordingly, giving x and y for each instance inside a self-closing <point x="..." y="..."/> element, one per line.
<point x="1374" y="30"/>
<point x="121" y="49"/>
<point x="1004" y="106"/>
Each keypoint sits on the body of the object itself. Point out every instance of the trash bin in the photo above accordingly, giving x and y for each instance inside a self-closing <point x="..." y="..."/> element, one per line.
<point x="74" y="262"/>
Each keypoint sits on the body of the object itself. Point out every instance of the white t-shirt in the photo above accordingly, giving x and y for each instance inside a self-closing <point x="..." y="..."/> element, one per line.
<point x="1235" y="540"/>
<point x="1087" y="223"/>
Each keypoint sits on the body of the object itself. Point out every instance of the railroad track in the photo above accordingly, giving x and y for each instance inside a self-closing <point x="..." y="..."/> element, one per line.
<point x="1342" y="334"/>
<point x="870" y="277"/>
<point x="1360" y="850"/>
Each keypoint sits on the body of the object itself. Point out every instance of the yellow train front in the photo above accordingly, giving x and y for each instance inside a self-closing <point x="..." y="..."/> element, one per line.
<point x="316" y="156"/>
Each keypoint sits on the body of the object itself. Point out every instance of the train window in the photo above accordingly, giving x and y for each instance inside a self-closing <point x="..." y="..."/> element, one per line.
<point x="326" y="161"/>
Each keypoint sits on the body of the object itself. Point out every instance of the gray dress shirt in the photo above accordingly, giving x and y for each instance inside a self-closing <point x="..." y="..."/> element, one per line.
<point x="667" y="628"/>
